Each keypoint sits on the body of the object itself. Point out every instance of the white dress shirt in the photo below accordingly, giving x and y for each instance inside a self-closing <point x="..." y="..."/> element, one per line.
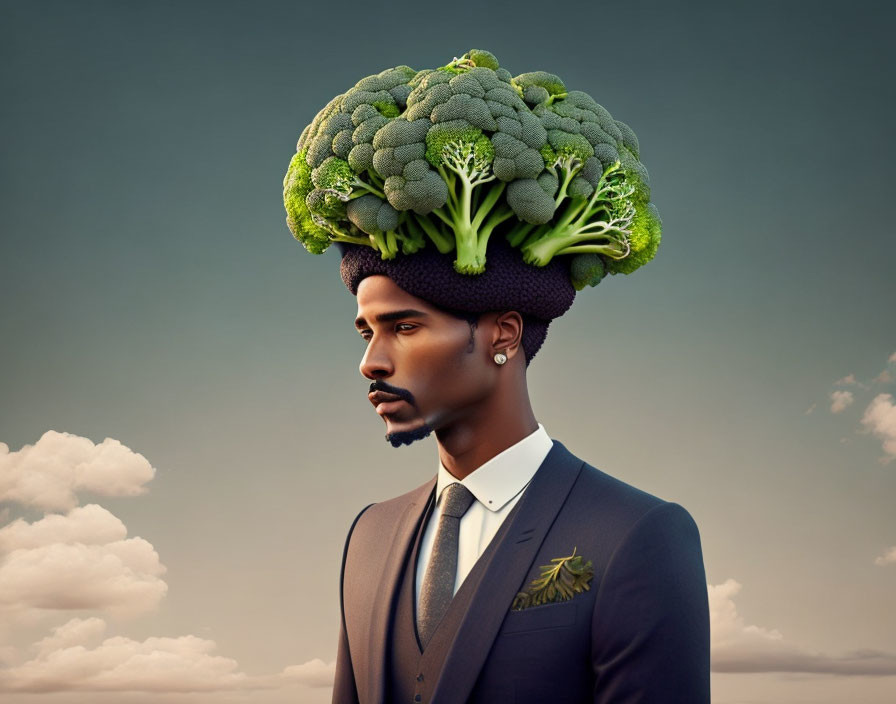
<point x="497" y="485"/>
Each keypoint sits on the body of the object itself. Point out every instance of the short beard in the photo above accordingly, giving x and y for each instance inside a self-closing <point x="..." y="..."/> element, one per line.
<point x="406" y="437"/>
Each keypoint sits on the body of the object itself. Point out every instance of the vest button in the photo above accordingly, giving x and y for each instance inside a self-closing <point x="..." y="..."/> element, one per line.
<point x="417" y="697"/>
<point x="420" y="677"/>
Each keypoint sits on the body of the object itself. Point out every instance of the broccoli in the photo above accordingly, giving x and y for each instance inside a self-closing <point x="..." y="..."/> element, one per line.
<point x="599" y="223"/>
<point x="463" y="157"/>
<point x="447" y="157"/>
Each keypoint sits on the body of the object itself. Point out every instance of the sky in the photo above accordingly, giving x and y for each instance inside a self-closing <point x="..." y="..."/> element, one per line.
<point x="184" y="433"/>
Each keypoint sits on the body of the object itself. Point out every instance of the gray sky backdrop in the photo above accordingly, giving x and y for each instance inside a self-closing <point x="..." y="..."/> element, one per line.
<point x="150" y="292"/>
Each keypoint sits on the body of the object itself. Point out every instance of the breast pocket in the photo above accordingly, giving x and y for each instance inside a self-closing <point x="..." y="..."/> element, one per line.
<point x="539" y="618"/>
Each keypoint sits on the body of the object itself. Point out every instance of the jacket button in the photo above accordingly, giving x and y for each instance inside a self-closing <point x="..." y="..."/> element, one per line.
<point x="417" y="697"/>
<point x="420" y="677"/>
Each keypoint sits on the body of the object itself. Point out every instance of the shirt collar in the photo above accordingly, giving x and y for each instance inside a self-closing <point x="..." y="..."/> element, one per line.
<point x="506" y="474"/>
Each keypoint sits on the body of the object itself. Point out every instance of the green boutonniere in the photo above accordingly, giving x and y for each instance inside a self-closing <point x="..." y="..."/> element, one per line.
<point x="559" y="581"/>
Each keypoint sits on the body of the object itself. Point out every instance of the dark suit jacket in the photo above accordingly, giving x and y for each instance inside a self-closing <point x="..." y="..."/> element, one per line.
<point x="639" y="634"/>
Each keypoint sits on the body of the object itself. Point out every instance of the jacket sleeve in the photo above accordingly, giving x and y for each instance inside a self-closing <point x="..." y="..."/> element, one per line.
<point x="650" y="627"/>
<point x="344" y="689"/>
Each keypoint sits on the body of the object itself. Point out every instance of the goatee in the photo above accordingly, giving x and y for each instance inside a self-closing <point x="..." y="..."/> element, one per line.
<point x="406" y="437"/>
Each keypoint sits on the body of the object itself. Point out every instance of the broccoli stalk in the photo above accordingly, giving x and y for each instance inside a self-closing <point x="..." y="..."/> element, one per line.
<point x="463" y="158"/>
<point x="600" y="224"/>
<point x="568" y="160"/>
<point x="405" y="238"/>
<point x="422" y="224"/>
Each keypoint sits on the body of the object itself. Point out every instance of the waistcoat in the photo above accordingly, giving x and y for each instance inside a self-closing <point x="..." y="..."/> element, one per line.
<point x="414" y="671"/>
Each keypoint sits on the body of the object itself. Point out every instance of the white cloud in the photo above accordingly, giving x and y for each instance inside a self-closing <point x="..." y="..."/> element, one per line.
<point x="737" y="647"/>
<point x="91" y="525"/>
<point x="892" y="357"/>
<point x="810" y="408"/>
<point x="840" y="400"/>
<point x="883" y="378"/>
<point x="889" y="557"/>
<point x="314" y="673"/>
<point x="48" y="474"/>
<point x="727" y="626"/>
<point x="848" y="379"/>
<point x="78" y="631"/>
<point x="80" y="560"/>
<point x="118" y="664"/>
<point x="880" y="419"/>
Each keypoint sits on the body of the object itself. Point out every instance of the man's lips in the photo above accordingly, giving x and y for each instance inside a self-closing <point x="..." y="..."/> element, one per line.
<point x="388" y="407"/>
<point x="385" y="403"/>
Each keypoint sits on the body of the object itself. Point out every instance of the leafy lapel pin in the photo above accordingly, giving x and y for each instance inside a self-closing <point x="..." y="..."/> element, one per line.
<point x="559" y="581"/>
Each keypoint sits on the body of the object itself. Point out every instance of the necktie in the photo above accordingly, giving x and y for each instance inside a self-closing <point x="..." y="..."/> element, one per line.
<point x="437" y="589"/>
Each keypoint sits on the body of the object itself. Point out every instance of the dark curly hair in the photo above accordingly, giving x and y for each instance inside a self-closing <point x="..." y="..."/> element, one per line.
<point x="538" y="294"/>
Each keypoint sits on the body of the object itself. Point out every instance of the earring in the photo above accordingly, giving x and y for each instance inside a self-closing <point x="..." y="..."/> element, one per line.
<point x="500" y="358"/>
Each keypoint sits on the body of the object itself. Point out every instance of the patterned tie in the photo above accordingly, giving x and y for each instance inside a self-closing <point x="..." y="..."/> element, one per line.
<point x="437" y="589"/>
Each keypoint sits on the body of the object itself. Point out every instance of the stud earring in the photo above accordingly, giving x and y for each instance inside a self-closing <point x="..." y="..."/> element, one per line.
<point x="500" y="358"/>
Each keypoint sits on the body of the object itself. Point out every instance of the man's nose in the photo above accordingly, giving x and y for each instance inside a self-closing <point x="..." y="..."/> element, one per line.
<point x="376" y="363"/>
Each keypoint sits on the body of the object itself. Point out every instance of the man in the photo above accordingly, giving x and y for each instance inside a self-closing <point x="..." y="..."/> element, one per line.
<point x="470" y="205"/>
<point x="519" y="573"/>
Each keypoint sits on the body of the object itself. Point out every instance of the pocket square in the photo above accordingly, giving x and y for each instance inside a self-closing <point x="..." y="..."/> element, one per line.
<point x="559" y="581"/>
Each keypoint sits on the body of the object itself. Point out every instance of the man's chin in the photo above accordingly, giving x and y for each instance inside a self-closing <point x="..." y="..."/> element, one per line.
<point x="406" y="437"/>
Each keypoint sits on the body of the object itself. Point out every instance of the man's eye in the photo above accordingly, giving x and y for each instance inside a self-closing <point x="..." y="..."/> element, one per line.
<point x="405" y="326"/>
<point x="366" y="335"/>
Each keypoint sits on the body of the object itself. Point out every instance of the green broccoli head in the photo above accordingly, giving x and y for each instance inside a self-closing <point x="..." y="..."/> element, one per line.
<point x="447" y="157"/>
<point x="296" y="187"/>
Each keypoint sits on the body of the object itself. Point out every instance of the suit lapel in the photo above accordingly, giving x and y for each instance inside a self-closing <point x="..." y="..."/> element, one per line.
<point x="508" y="567"/>
<point x="387" y="591"/>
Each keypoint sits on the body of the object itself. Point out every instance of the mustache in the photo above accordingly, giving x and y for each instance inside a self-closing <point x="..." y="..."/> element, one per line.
<point x="386" y="387"/>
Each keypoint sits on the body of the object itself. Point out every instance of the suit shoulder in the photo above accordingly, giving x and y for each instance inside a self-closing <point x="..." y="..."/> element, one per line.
<point x="609" y="489"/>
<point x="385" y="514"/>
<point x="614" y="505"/>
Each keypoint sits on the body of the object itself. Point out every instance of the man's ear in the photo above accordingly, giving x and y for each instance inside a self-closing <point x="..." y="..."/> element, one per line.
<point x="507" y="333"/>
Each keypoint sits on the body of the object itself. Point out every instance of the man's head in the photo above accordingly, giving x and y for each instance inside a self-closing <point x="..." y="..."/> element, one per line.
<point x="430" y="366"/>
<point x="447" y="362"/>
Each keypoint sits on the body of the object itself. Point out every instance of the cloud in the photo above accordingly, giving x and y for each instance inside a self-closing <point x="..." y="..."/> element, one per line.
<point x="810" y="408"/>
<point x="314" y="673"/>
<point x="78" y="631"/>
<point x="847" y="380"/>
<point x="889" y="557"/>
<point x="883" y="378"/>
<point x="840" y="400"/>
<point x="118" y="664"/>
<point x="880" y="419"/>
<point x="91" y="525"/>
<point x="48" y="474"/>
<point x="80" y="560"/>
<point x="737" y="647"/>
<point x="83" y="559"/>
<point x="892" y="357"/>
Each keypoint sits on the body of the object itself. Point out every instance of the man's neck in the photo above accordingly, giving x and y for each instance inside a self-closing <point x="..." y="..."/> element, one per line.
<point x="470" y="442"/>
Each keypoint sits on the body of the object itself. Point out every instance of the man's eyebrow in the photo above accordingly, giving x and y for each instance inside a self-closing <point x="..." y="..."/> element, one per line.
<point x="393" y="315"/>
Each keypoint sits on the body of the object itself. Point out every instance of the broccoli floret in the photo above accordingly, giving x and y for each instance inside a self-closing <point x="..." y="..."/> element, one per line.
<point x="600" y="224"/>
<point x="336" y="175"/>
<point x="586" y="270"/>
<point x="305" y="224"/>
<point x="463" y="157"/>
<point x="538" y="87"/>
<point x="602" y="201"/>
<point x="381" y="221"/>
